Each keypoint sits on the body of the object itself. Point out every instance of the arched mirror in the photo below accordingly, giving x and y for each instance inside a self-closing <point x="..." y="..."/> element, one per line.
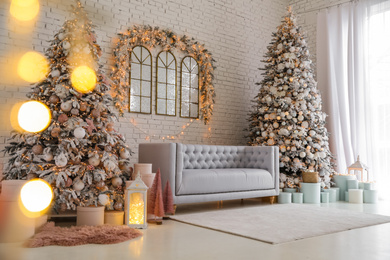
<point x="140" y="81"/>
<point x="189" y="90"/>
<point x="166" y="84"/>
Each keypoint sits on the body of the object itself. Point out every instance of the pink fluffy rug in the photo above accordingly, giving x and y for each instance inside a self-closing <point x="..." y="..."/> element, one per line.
<point x="50" y="235"/>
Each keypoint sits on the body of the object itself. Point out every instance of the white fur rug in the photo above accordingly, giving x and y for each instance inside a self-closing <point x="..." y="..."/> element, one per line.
<point x="281" y="223"/>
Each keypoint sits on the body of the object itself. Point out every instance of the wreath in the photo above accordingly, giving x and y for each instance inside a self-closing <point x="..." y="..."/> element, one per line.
<point x="151" y="37"/>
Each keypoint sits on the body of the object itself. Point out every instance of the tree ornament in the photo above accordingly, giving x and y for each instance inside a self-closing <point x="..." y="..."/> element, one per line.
<point x="68" y="182"/>
<point x="62" y="118"/>
<point x="95" y="113"/>
<point x="78" y="185"/>
<point x="116" y="181"/>
<point x="108" y="148"/>
<point x="118" y="205"/>
<point x="109" y="165"/>
<point x="79" y="133"/>
<point x="83" y="106"/>
<point x="61" y="36"/>
<point x="124" y="153"/>
<point x="66" y="45"/>
<point x="61" y="160"/>
<point x="110" y="127"/>
<point x="90" y="126"/>
<point x="103" y="199"/>
<point x="37" y="149"/>
<point x="66" y="106"/>
<point x="54" y="99"/>
<point x="74" y="111"/>
<point x="100" y="185"/>
<point x="94" y="161"/>
<point x="55" y="73"/>
<point x="55" y="132"/>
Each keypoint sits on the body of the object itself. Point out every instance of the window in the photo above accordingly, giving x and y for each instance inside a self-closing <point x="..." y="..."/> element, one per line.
<point x="189" y="95"/>
<point x="166" y="84"/>
<point x="140" y="81"/>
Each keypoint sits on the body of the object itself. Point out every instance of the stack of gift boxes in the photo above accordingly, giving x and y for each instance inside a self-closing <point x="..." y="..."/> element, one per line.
<point x="348" y="189"/>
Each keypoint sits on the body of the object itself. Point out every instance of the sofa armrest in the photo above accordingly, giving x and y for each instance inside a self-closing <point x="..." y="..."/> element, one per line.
<point x="264" y="157"/>
<point x="162" y="156"/>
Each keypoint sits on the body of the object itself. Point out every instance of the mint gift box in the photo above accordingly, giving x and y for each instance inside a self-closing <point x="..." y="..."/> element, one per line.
<point x="311" y="192"/>
<point x="324" y="197"/>
<point x="284" y="197"/>
<point x="332" y="194"/>
<point x="352" y="184"/>
<point x="297" y="197"/>
<point x="370" y="196"/>
<point x="290" y="190"/>
<point x="341" y="182"/>
<point x="337" y="189"/>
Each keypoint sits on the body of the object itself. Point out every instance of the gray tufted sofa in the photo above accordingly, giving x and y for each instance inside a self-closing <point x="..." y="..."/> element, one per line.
<point x="200" y="173"/>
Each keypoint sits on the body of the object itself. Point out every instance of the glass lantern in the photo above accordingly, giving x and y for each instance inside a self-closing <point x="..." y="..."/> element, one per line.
<point x="359" y="170"/>
<point x="136" y="204"/>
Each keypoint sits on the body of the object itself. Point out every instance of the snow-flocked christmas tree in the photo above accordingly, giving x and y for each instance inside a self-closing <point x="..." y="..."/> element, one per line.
<point x="287" y="111"/>
<point x="79" y="154"/>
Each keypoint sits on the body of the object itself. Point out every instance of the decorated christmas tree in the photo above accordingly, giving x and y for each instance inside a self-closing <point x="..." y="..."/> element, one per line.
<point x="287" y="111"/>
<point x="79" y="154"/>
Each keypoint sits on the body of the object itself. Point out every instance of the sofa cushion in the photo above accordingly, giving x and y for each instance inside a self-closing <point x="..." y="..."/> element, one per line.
<point x="203" y="181"/>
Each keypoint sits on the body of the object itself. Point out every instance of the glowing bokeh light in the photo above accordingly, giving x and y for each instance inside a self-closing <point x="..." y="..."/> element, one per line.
<point x="24" y="10"/>
<point x="34" y="116"/>
<point x="33" y="67"/>
<point x="36" y="195"/>
<point x="83" y="79"/>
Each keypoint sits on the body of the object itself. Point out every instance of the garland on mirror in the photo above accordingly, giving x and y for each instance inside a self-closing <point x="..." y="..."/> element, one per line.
<point x="152" y="37"/>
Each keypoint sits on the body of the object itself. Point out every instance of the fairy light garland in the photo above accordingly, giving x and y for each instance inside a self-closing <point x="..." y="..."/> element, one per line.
<point x="152" y="37"/>
<point x="176" y="136"/>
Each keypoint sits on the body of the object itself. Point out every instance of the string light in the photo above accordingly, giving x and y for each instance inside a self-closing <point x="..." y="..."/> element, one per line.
<point x="177" y="135"/>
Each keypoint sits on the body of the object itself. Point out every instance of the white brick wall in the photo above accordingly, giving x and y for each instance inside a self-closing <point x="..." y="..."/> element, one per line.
<point x="236" y="32"/>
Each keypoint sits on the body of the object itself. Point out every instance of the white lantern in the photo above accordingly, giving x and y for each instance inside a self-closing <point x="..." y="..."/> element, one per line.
<point x="359" y="170"/>
<point x="136" y="204"/>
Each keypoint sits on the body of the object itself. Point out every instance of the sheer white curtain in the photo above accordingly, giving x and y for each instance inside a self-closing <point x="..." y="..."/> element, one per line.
<point x="353" y="72"/>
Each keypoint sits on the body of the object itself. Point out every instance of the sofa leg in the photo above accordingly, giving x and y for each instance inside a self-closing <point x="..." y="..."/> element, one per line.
<point x="272" y="199"/>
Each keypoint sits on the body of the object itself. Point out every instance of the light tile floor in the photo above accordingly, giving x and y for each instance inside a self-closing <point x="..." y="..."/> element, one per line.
<point x="174" y="240"/>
